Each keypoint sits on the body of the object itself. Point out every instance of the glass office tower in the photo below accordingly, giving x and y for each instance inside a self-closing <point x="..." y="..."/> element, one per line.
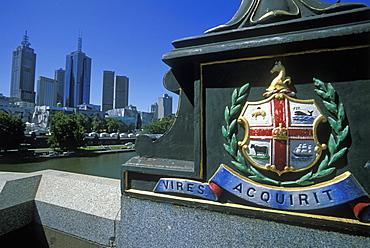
<point x="77" y="78"/>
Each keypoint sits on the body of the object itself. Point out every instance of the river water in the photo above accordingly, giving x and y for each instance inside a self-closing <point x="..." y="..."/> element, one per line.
<point x="105" y="165"/>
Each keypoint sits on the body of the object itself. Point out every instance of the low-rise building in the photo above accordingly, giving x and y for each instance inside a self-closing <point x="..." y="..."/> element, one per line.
<point x="16" y="107"/>
<point x="41" y="115"/>
<point x="130" y="115"/>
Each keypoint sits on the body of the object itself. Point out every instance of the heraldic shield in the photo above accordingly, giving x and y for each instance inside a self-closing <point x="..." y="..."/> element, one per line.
<point x="280" y="133"/>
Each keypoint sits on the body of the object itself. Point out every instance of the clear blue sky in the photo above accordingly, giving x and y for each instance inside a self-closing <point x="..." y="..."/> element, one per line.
<point x="128" y="37"/>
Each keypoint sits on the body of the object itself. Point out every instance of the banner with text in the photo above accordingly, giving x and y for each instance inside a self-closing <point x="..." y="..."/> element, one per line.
<point x="341" y="189"/>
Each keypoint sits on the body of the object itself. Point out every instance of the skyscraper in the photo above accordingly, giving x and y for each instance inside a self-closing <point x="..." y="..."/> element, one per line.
<point x="46" y="91"/>
<point x="115" y="91"/>
<point x="120" y="99"/>
<point x="164" y="106"/>
<point x="154" y="110"/>
<point x="108" y="89"/>
<point x="59" y="76"/>
<point x="23" y="72"/>
<point x="77" y="78"/>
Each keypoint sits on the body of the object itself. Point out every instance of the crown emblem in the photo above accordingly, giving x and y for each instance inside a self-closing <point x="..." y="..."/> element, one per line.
<point x="280" y="132"/>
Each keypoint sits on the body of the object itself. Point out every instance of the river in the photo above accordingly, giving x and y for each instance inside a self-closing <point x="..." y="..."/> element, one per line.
<point x="105" y="165"/>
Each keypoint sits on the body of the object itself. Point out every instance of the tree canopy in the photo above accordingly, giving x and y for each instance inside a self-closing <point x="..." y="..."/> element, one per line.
<point x="159" y="126"/>
<point x="98" y="124"/>
<point x="67" y="131"/>
<point x="110" y="125"/>
<point x="11" y="131"/>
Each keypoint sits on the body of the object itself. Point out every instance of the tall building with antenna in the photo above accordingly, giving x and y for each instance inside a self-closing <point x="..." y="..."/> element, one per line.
<point x="22" y="83"/>
<point x="77" y="78"/>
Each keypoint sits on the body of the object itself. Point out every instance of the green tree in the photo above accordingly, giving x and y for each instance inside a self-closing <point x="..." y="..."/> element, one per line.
<point x="112" y="125"/>
<point x="67" y="131"/>
<point x="11" y="131"/>
<point x="122" y="127"/>
<point x="98" y="124"/>
<point x="159" y="126"/>
<point x="131" y="127"/>
<point x="88" y="124"/>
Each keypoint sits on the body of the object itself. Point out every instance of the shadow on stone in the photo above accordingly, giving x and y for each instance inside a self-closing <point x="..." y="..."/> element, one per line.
<point x="31" y="235"/>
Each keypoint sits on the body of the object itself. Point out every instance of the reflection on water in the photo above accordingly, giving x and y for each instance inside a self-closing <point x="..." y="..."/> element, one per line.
<point x="107" y="165"/>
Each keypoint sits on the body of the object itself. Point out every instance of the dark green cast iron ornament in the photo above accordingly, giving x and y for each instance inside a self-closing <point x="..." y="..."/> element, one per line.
<point x="252" y="12"/>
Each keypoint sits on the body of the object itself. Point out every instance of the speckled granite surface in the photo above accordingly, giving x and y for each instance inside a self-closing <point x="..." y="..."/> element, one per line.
<point x="152" y="224"/>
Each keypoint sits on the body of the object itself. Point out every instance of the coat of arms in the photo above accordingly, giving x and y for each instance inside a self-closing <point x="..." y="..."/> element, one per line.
<point x="281" y="132"/>
<point x="281" y="138"/>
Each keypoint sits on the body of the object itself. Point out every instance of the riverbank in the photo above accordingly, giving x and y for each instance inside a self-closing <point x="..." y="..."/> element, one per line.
<point x="42" y="154"/>
<point x="114" y="151"/>
<point x="106" y="164"/>
<point x="88" y="152"/>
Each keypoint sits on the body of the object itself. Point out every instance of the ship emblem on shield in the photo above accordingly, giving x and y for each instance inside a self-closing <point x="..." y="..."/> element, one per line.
<point x="280" y="133"/>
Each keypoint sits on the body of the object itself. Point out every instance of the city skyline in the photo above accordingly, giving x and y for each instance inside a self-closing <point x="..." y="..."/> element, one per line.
<point x="127" y="37"/>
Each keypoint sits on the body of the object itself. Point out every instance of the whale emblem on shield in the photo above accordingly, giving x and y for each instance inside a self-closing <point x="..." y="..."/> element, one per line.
<point x="280" y="133"/>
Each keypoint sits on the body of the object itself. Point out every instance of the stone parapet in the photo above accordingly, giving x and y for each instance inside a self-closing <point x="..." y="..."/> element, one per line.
<point x="72" y="205"/>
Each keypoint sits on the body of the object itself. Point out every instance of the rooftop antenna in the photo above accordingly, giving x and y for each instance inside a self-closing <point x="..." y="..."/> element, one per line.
<point x="25" y="42"/>
<point x="79" y="41"/>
